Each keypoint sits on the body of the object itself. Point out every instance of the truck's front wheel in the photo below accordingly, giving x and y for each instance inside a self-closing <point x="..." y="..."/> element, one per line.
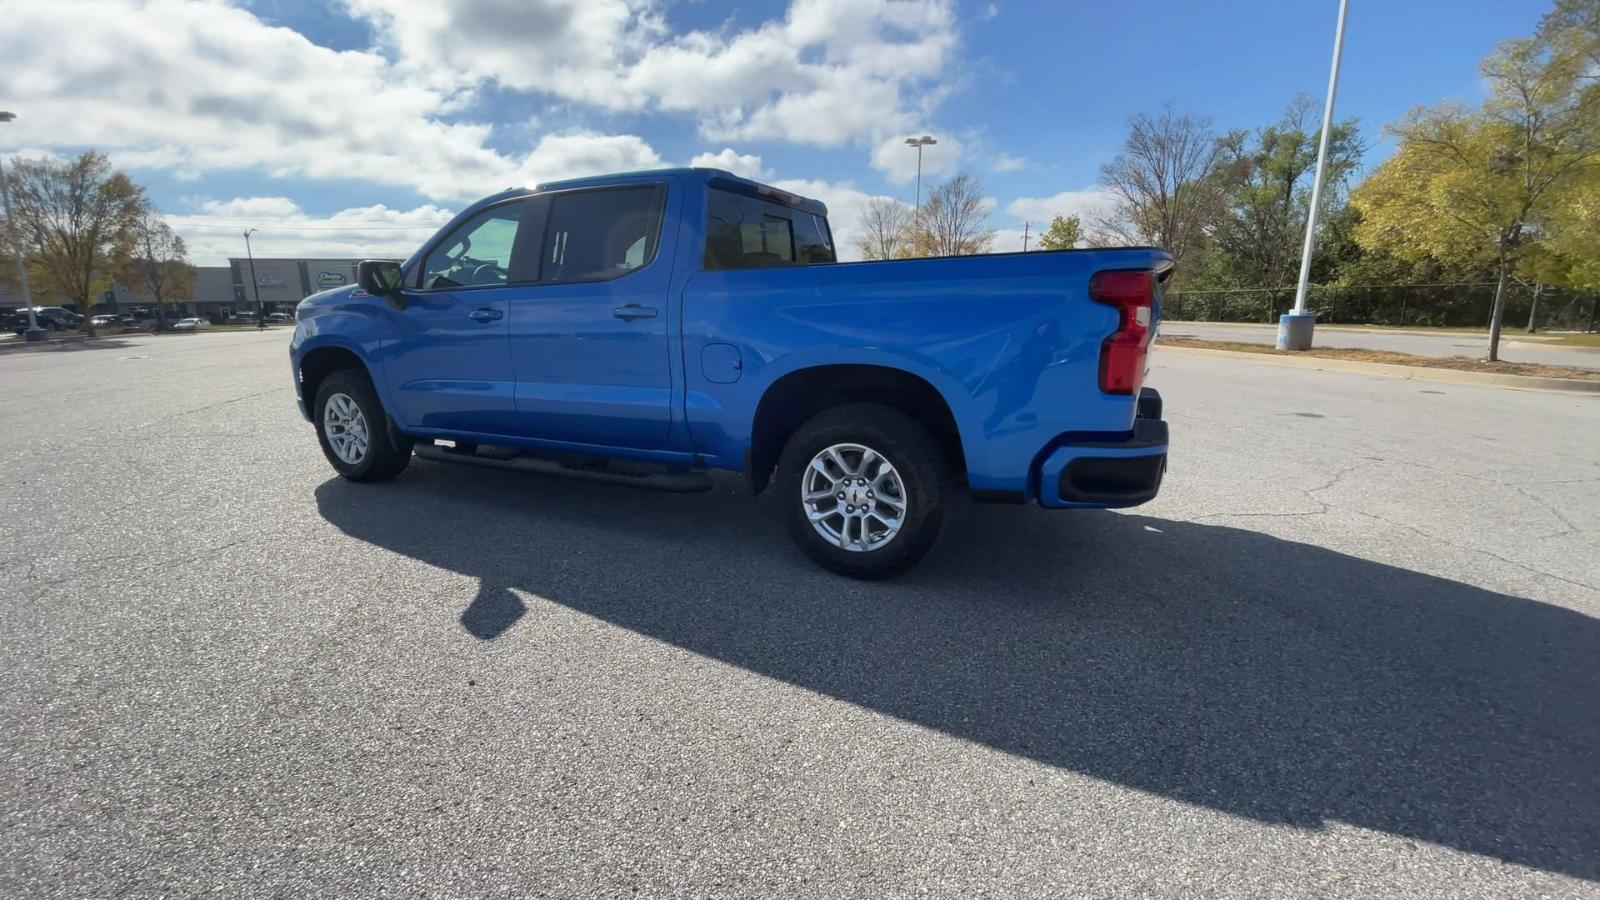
<point x="862" y="488"/>
<point x="353" y="430"/>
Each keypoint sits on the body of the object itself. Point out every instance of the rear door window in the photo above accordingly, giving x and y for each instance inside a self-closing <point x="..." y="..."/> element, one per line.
<point x="601" y="234"/>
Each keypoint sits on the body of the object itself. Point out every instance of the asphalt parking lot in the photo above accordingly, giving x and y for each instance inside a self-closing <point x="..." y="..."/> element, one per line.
<point x="1350" y="651"/>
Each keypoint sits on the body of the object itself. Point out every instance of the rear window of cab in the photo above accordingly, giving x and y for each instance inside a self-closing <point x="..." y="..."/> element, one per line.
<point x="750" y="233"/>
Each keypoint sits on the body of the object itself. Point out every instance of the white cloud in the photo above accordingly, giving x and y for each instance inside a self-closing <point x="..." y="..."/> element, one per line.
<point x="828" y="72"/>
<point x="195" y="87"/>
<point x="192" y="86"/>
<point x="578" y="153"/>
<point x="898" y="161"/>
<point x="989" y="12"/>
<point x="745" y="164"/>
<point x="1005" y="162"/>
<point x="251" y="207"/>
<point x="216" y="232"/>
<point x="1067" y="203"/>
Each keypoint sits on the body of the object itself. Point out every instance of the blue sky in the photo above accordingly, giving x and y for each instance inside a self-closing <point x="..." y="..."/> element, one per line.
<point x="355" y="126"/>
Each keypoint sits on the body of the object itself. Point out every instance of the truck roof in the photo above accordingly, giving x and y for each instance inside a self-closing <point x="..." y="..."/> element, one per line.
<point x="717" y="177"/>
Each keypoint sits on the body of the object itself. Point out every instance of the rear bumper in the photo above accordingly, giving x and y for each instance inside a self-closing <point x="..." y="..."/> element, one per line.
<point x="1107" y="474"/>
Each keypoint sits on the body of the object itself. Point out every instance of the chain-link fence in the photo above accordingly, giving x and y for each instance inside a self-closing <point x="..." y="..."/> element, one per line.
<point x="1460" y="305"/>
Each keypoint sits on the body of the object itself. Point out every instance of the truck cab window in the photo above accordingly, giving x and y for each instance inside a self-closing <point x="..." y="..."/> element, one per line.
<point x="750" y="233"/>
<point x="478" y="254"/>
<point x="596" y="235"/>
<point x="813" y="242"/>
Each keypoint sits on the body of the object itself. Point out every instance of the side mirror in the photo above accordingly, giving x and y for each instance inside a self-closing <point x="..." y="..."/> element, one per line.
<point x="380" y="277"/>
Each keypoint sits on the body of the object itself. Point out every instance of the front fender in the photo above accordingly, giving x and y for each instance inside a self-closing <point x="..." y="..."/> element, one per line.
<point x="353" y="331"/>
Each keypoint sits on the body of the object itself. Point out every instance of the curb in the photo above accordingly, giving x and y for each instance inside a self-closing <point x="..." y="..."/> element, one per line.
<point x="1391" y="370"/>
<point x="1535" y="340"/>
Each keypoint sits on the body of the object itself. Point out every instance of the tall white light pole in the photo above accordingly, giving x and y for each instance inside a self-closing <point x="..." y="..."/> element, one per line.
<point x="919" y="143"/>
<point x="255" y="284"/>
<point x="34" y="332"/>
<point x="1295" y="328"/>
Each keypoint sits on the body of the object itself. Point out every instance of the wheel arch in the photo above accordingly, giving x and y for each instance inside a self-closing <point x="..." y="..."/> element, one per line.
<point x="319" y="362"/>
<point x="801" y="393"/>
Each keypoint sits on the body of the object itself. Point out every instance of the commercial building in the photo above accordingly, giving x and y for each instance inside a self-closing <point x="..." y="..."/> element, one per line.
<point x="223" y="291"/>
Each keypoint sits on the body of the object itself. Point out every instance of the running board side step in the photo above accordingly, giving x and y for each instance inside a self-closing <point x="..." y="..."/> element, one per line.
<point x="682" y="481"/>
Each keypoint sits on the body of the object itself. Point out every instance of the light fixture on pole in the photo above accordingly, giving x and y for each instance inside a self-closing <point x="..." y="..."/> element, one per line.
<point x="1295" y="328"/>
<point x="919" y="143"/>
<point x="33" y="332"/>
<point x="255" y="283"/>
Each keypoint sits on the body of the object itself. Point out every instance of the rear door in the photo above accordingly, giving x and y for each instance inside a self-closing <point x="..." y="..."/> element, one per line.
<point x="589" y="340"/>
<point x="449" y="362"/>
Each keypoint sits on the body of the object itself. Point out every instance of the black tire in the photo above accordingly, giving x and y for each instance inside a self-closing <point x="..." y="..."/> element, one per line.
<point x="387" y="453"/>
<point x="907" y="446"/>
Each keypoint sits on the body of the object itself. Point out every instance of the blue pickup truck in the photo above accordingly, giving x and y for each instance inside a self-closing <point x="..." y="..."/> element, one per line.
<point x="646" y="328"/>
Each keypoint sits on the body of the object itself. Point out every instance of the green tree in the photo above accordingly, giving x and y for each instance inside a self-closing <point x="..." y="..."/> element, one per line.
<point x="158" y="263"/>
<point x="1266" y="183"/>
<point x="1470" y="188"/>
<point x="1064" y="233"/>
<point x="76" y="220"/>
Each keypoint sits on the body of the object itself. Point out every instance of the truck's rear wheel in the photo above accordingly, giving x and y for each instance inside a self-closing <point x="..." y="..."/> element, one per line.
<point x="353" y="429"/>
<point x="862" y="488"/>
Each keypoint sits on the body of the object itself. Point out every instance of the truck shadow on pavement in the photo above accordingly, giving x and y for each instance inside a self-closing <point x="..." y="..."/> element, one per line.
<point x="1217" y="666"/>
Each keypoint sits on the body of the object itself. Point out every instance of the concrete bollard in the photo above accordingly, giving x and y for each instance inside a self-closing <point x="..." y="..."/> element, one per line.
<point x="1294" y="331"/>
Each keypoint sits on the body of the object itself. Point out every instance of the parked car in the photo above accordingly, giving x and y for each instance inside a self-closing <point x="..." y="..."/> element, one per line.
<point x="643" y="329"/>
<point x="50" y="318"/>
<point x="190" y="324"/>
<point x="242" y="318"/>
<point x="279" y="318"/>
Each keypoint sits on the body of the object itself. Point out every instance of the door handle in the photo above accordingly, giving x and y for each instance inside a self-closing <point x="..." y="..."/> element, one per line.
<point x="634" y="311"/>
<point x="485" y="314"/>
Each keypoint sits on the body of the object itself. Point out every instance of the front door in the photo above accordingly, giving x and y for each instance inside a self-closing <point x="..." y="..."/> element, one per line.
<point x="589" y="341"/>
<point x="448" y="363"/>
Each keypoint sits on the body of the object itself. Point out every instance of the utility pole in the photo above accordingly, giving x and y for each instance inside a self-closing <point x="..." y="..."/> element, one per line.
<point x="1295" y="328"/>
<point x="255" y="284"/>
<point x="34" y="332"/>
<point x="919" y="143"/>
<point x="1025" y="226"/>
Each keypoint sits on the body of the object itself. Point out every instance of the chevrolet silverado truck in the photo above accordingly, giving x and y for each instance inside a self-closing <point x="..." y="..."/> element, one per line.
<point x="647" y="328"/>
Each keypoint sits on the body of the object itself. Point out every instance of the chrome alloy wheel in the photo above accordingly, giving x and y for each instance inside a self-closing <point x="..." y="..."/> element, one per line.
<point x="346" y="428"/>
<point x="853" y="497"/>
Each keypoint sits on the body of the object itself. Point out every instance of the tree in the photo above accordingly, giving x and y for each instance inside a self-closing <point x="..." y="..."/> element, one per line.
<point x="1569" y="253"/>
<point x="1265" y="181"/>
<point x="76" y="220"/>
<point x="953" y="220"/>
<point x="1576" y="22"/>
<point x="886" y="227"/>
<point x="1064" y="233"/>
<point x="158" y="264"/>
<point x="1474" y="187"/>
<point x="1161" y="183"/>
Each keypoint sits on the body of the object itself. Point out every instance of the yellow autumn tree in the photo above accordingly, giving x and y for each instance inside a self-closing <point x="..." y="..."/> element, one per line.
<point x="1485" y="186"/>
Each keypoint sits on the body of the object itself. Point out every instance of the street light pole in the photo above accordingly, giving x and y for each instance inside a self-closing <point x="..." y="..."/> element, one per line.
<point x="34" y="332"/>
<point x="1295" y="328"/>
<point x="255" y="285"/>
<point x="919" y="143"/>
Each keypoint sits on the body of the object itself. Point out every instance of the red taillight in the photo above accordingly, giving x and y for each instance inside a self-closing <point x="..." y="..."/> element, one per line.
<point x="1122" y="356"/>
